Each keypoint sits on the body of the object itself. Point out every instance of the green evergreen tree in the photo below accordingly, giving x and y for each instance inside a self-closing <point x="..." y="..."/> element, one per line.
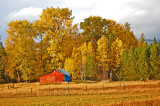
<point x="2" y="63"/>
<point x="154" y="41"/>
<point x="135" y="65"/>
<point x="154" y="61"/>
<point x="124" y="64"/>
<point x="159" y="43"/>
<point x="91" y="70"/>
<point x="128" y="65"/>
<point x="143" y="61"/>
<point x="141" y="43"/>
<point x="127" y="26"/>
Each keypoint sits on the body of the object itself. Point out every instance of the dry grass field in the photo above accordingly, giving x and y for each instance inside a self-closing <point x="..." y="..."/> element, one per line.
<point x="112" y="93"/>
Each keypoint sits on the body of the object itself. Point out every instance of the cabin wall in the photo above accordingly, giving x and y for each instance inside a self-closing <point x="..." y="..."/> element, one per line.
<point x="53" y="77"/>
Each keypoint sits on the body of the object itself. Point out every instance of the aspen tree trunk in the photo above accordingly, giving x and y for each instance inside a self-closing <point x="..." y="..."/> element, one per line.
<point x="26" y="78"/>
<point x="25" y="69"/>
<point x="111" y="76"/>
<point x="25" y="64"/>
<point x="18" y="76"/>
<point x="81" y="73"/>
<point x="84" y="70"/>
<point x="41" y="51"/>
<point x="103" y="72"/>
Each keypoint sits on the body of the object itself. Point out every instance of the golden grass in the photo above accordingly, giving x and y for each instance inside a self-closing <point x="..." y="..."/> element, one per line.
<point x="74" y="100"/>
<point x="113" y="93"/>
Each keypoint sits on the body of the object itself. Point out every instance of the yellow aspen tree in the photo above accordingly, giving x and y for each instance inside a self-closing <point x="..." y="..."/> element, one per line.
<point x="41" y="48"/>
<point x="11" y="62"/>
<point x="116" y="53"/>
<point x="21" y="36"/>
<point x="59" y="31"/>
<point x="69" y="66"/>
<point x="53" y="51"/>
<point x="12" y="52"/>
<point x="103" y="55"/>
<point x="84" y="53"/>
<point x="27" y="49"/>
<point x="91" y="51"/>
<point x="76" y="55"/>
<point x="91" y="70"/>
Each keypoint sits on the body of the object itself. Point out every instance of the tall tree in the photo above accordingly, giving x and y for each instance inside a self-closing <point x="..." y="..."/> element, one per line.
<point x="113" y="31"/>
<point x="60" y="32"/>
<point x="2" y="63"/>
<point x="42" y="57"/>
<point x="141" y="43"/>
<point x="154" y="61"/>
<point x="84" y="55"/>
<point x="124" y="64"/>
<point x="116" y="53"/>
<point x="93" y="28"/>
<point x="129" y="68"/>
<point x="127" y="26"/>
<point x="76" y="55"/>
<point x="91" y="68"/>
<point x="103" y="57"/>
<point x="20" y="49"/>
<point x="11" y="63"/>
<point x="116" y="30"/>
<point x="154" y="41"/>
<point x="69" y="66"/>
<point x="143" y="60"/>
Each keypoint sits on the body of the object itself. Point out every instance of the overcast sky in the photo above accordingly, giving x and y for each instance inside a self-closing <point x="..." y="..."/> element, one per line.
<point x="143" y="15"/>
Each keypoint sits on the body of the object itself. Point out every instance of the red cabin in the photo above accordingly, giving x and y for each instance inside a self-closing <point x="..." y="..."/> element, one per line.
<point x="56" y="76"/>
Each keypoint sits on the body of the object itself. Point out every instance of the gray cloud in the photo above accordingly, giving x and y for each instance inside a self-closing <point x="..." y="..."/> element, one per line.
<point x="143" y="15"/>
<point x="145" y="18"/>
<point x="8" y="7"/>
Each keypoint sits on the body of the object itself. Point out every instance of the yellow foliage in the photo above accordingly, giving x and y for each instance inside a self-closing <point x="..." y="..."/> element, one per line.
<point x="69" y="66"/>
<point x="36" y="48"/>
<point x="60" y="32"/>
<point x="103" y="49"/>
<point x="116" y="53"/>
<point x="20" y="48"/>
<point x="90" y="50"/>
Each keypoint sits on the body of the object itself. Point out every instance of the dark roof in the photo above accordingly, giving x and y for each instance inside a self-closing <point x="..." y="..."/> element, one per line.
<point x="63" y="72"/>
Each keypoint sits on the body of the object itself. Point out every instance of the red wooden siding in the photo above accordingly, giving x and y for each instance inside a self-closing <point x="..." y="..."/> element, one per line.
<point x="52" y="77"/>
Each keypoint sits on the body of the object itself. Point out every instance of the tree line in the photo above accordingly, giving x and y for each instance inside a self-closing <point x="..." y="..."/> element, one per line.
<point x="142" y="61"/>
<point x="100" y="49"/>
